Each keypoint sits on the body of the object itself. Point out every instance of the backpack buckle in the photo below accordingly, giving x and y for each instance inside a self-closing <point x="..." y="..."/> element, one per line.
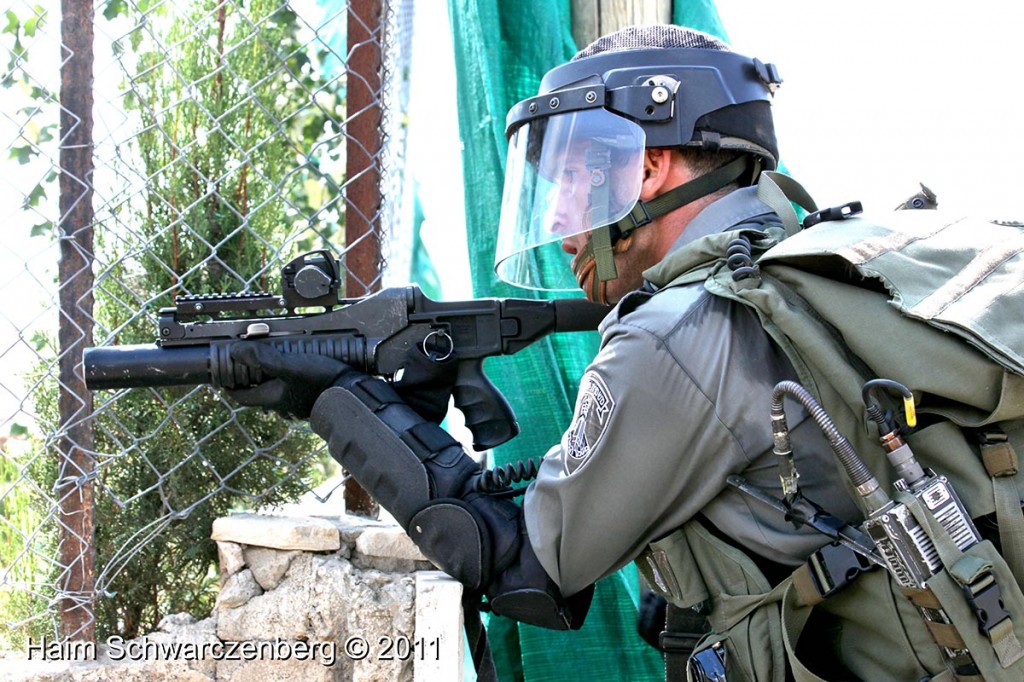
<point x="985" y="598"/>
<point x="835" y="213"/>
<point x="835" y="566"/>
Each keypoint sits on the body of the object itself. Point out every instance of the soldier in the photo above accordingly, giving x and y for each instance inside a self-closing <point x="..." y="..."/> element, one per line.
<point x="646" y="145"/>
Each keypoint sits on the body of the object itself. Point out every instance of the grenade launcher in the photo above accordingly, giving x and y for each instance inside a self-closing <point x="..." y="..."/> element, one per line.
<point x="374" y="334"/>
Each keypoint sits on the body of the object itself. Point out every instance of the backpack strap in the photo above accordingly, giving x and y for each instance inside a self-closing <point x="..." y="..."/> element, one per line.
<point x="1001" y="462"/>
<point x="975" y="574"/>
<point x="778" y="192"/>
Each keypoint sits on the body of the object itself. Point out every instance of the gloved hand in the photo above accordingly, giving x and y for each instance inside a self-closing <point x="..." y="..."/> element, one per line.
<point x="295" y="381"/>
<point x="426" y="386"/>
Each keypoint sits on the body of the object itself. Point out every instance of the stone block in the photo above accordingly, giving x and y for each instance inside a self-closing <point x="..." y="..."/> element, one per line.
<point x="438" y="628"/>
<point x="305" y="604"/>
<point x="388" y="542"/>
<point x="323" y="598"/>
<point x="268" y="566"/>
<point x="278" y="532"/>
<point x="238" y="590"/>
<point x="351" y="527"/>
<point x="229" y="555"/>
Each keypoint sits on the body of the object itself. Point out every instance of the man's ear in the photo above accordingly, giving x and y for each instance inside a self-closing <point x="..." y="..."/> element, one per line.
<point x="658" y="167"/>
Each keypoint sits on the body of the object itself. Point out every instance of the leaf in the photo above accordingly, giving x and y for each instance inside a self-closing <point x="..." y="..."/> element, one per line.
<point x="17" y="430"/>
<point x="23" y="154"/>
<point x="33" y="23"/>
<point x="39" y="340"/>
<point x="41" y="229"/>
<point x="13" y="23"/>
<point x="115" y="8"/>
<point x="35" y="196"/>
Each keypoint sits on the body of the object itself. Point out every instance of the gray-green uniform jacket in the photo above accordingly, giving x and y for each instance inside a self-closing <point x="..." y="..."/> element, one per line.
<point x="676" y="400"/>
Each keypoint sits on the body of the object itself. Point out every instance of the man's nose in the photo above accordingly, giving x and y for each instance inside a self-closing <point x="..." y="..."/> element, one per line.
<point x="572" y="245"/>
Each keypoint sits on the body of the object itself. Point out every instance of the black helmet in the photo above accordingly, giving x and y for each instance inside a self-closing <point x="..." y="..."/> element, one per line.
<point x="652" y="86"/>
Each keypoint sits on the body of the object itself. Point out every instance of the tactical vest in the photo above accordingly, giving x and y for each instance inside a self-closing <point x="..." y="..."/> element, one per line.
<point x="936" y="304"/>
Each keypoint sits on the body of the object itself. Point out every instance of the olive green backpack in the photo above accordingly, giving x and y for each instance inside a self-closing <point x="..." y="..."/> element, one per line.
<point x="935" y="303"/>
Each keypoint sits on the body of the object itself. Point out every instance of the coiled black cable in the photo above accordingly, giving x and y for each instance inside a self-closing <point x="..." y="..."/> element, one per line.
<point x="739" y="259"/>
<point x="498" y="481"/>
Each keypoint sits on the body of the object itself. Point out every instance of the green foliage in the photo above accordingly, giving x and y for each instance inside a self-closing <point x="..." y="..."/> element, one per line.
<point x="27" y="543"/>
<point x="238" y="150"/>
<point x="223" y="102"/>
<point x="16" y="37"/>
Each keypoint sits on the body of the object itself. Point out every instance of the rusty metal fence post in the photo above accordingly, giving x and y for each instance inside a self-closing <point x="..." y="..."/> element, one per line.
<point x="190" y="148"/>
<point x="77" y="466"/>
<point x="362" y="193"/>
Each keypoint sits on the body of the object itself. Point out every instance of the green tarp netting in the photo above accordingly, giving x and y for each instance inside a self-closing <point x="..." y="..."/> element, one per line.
<point x="502" y="49"/>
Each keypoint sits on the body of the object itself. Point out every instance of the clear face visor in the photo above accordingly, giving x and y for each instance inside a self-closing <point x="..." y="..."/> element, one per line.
<point x="566" y="174"/>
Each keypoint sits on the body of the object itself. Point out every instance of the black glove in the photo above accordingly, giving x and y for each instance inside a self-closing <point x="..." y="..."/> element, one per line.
<point x="426" y="386"/>
<point x="295" y="381"/>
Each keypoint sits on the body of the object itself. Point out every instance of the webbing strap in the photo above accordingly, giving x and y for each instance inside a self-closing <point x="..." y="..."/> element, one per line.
<point x="731" y="609"/>
<point x="601" y="244"/>
<point x="806" y="590"/>
<point x="1005" y="642"/>
<point x="683" y="630"/>
<point x="1001" y="462"/>
<point x="776" y="191"/>
<point x="794" y="618"/>
<point x="476" y="635"/>
<point x="949" y="553"/>
<point x="966" y="570"/>
<point x="646" y="211"/>
<point x="1010" y="518"/>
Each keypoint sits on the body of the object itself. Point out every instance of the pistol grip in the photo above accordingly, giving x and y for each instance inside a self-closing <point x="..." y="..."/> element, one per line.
<point x="488" y="415"/>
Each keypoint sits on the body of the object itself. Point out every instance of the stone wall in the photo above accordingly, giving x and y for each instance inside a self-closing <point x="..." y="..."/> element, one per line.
<point x="316" y="599"/>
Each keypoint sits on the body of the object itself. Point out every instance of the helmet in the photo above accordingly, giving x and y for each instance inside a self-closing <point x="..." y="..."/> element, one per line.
<point x="576" y="150"/>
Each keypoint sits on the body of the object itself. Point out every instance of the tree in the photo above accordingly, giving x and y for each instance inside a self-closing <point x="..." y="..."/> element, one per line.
<point x="228" y="104"/>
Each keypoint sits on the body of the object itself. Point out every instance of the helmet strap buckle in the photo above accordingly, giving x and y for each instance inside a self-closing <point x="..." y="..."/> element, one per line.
<point x="638" y="216"/>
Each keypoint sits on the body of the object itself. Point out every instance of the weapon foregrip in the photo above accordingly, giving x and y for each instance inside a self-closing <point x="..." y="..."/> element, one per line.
<point x="488" y="415"/>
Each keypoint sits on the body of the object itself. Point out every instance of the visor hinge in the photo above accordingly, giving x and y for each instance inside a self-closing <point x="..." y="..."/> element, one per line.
<point x="769" y="75"/>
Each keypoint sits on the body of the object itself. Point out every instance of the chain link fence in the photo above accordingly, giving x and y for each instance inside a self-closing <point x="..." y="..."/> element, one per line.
<point x="155" y="149"/>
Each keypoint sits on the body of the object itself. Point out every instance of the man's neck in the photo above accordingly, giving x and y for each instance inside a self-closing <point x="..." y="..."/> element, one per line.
<point x="670" y="226"/>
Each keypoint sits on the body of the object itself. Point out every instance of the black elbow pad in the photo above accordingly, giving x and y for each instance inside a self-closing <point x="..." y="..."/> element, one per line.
<point x="526" y="593"/>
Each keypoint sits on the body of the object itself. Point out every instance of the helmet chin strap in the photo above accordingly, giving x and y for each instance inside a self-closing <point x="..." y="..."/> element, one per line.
<point x="586" y="265"/>
<point x="594" y="266"/>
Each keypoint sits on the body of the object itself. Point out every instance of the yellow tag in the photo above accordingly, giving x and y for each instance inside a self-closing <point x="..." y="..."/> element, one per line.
<point x="908" y="408"/>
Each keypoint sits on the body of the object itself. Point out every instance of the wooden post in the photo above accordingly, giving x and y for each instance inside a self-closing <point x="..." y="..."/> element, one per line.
<point x="76" y="465"/>
<point x="362" y="179"/>
<point x="592" y="19"/>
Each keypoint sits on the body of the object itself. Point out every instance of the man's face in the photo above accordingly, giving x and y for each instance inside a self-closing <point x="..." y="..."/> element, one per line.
<point x="571" y="210"/>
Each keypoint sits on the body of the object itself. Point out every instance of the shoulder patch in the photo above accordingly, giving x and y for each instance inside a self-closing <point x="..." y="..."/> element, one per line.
<point x="594" y="406"/>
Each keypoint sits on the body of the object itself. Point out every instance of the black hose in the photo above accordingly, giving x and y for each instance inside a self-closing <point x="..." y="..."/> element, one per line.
<point x="854" y="466"/>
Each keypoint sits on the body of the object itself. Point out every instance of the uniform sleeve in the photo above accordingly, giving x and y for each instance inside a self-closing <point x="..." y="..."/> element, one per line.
<point x="633" y="464"/>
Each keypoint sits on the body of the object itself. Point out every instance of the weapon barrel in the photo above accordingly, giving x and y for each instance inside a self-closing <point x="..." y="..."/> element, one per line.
<point x="205" y="363"/>
<point x="146" y="365"/>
